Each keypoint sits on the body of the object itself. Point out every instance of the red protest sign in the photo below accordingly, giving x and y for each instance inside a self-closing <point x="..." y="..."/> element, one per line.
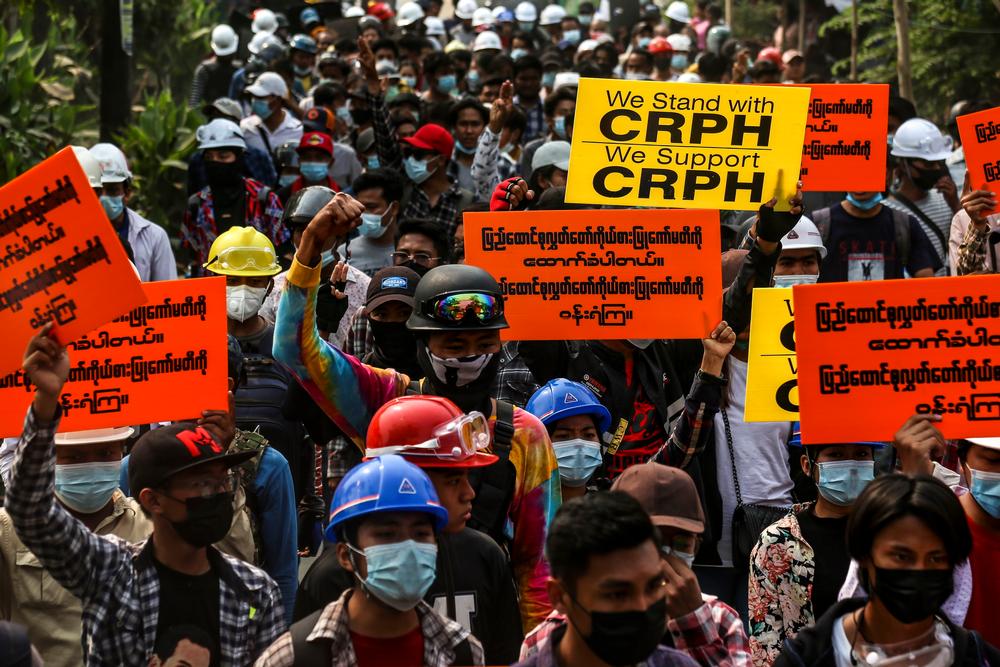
<point x="61" y="258"/>
<point x="872" y="354"/>
<point x="844" y="148"/>
<point x="980" y="133"/>
<point x="578" y="275"/>
<point x="163" y="361"/>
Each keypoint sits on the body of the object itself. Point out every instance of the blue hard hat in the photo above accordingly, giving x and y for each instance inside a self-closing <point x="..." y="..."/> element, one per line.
<point x="309" y="15"/>
<point x="796" y="440"/>
<point x="304" y="43"/>
<point x="561" y="398"/>
<point x="384" y="484"/>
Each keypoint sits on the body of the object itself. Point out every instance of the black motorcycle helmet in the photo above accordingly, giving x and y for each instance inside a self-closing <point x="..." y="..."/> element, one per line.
<point x="455" y="280"/>
<point x="305" y="204"/>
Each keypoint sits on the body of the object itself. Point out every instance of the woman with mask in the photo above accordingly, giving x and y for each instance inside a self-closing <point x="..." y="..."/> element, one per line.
<point x="907" y="534"/>
<point x="800" y="561"/>
<point x="576" y="421"/>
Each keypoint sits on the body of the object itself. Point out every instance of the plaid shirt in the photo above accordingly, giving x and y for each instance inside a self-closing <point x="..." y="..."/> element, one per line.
<point x="441" y="636"/>
<point x="536" y="120"/>
<point x="117" y="581"/>
<point x="489" y="167"/>
<point x="972" y="252"/>
<point x="514" y="382"/>
<point x="692" y="432"/>
<point x="360" y="339"/>
<point x="712" y="635"/>
<point x="199" y="230"/>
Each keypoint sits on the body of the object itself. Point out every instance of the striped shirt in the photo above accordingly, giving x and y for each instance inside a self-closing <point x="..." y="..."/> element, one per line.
<point x="936" y="208"/>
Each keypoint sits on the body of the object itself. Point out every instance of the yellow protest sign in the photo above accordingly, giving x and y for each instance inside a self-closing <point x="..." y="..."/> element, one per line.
<point x="683" y="145"/>
<point x="772" y="369"/>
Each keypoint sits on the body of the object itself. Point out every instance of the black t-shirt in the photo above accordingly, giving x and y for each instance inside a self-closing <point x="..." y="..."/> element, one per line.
<point x="828" y="539"/>
<point x="861" y="249"/>
<point x="189" y="609"/>
<point x="470" y="565"/>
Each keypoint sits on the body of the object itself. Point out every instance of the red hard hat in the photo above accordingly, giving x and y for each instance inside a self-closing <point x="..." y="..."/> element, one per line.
<point x="381" y="11"/>
<point x="660" y="45"/>
<point x="771" y="53"/>
<point x="430" y="432"/>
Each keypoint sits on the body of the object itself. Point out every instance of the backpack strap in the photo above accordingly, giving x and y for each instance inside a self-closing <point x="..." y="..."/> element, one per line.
<point x="263" y="194"/>
<point x="821" y="219"/>
<point x="495" y="483"/>
<point x="463" y="653"/>
<point x="503" y="430"/>
<point x="920" y="215"/>
<point x="901" y="223"/>
<point x="316" y="652"/>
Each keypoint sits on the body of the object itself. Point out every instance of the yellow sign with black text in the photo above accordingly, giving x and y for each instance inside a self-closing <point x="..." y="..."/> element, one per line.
<point x="772" y="369"/>
<point x="684" y="145"/>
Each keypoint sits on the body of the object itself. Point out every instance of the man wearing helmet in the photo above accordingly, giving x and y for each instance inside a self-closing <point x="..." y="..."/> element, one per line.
<point x="212" y="76"/>
<point x="473" y="584"/>
<point x="457" y="318"/>
<point x="384" y="520"/>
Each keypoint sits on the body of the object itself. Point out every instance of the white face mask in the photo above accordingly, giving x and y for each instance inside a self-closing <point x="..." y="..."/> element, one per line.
<point x="788" y="281"/>
<point x="468" y="368"/>
<point x="243" y="301"/>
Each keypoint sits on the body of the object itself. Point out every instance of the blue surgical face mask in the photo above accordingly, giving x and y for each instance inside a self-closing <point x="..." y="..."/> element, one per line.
<point x="463" y="150"/>
<point x="446" y="84"/>
<point x="373" y="162"/>
<point x="113" y="206"/>
<point x="578" y="459"/>
<point x="866" y="204"/>
<point x="526" y="26"/>
<point x="586" y="19"/>
<point x="416" y="170"/>
<point x="985" y="489"/>
<point x="410" y="81"/>
<point x="559" y="126"/>
<point x="549" y="79"/>
<point x="287" y="179"/>
<point x="261" y="107"/>
<point x="385" y="62"/>
<point x="637" y="76"/>
<point x="400" y="574"/>
<point x="302" y="71"/>
<point x="314" y="172"/>
<point x="472" y="76"/>
<point x="644" y="42"/>
<point x="344" y="114"/>
<point x="518" y="53"/>
<point x="571" y="36"/>
<point x="327" y="257"/>
<point x="841" y="482"/>
<point x="679" y="61"/>
<point x="371" y="225"/>
<point x="87" y="487"/>
<point x="789" y="281"/>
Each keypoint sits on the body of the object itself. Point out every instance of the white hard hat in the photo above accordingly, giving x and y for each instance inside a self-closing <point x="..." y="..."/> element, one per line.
<point x="114" y="167"/>
<point x="566" y="79"/>
<point x="466" y="9"/>
<point x="552" y="15"/>
<point x="225" y="41"/>
<point x="353" y="12"/>
<point x="95" y="436"/>
<point x="482" y="16"/>
<point x="587" y="45"/>
<point x="434" y="26"/>
<point x="486" y="41"/>
<point x="679" y="42"/>
<point x="408" y="14"/>
<point x="689" y="77"/>
<point x="220" y="133"/>
<point x="498" y="11"/>
<point x="264" y="20"/>
<point x="804" y="236"/>
<point x="91" y="167"/>
<point x="678" y="11"/>
<point x="267" y="84"/>
<point x="920" y="138"/>
<point x="989" y="443"/>
<point x="262" y="39"/>
<point x="526" y="11"/>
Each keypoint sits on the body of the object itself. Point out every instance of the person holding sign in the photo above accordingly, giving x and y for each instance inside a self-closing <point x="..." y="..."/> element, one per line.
<point x="784" y="599"/>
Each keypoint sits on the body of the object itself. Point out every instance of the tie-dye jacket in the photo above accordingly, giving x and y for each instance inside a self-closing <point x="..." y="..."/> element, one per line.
<point x="350" y="392"/>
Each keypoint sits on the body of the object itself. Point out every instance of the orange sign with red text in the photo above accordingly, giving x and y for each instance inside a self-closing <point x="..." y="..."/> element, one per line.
<point x="602" y="274"/>
<point x="871" y="354"/>
<point x="163" y="361"/>
<point x="980" y="134"/>
<point x="61" y="258"/>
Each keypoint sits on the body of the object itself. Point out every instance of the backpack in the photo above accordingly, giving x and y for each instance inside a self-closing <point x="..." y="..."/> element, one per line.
<point x="900" y="222"/>
<point x="246" y="441"/>
<point x="494" y="484"/>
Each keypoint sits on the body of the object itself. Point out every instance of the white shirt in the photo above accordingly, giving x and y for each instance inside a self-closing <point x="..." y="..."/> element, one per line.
<point x="253" y="127"/>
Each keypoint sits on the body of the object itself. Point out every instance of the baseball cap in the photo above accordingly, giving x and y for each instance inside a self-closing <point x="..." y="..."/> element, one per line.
<point x="95" y="436"/>
<point x="432" y="137"/>
<point x="164" y="452"/>
<point x="393" y="283"/>
<point x="666" y="493"/>
<point x="318" y="140"/>
<point x="267" y="84"/>
<point x="229" y="108"/>
<point x="790" y="55"/>
<point x="551" y="153"/>
<point x="318" y="119"/>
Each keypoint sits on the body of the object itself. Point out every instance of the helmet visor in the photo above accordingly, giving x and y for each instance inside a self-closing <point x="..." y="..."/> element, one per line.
<point x="456" y="440"/>
<point x="455" y="308"/>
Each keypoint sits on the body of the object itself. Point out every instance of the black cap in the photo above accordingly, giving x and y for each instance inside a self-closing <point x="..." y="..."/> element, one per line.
<point x="164" y="452"/>
<point x="393" y="283"/>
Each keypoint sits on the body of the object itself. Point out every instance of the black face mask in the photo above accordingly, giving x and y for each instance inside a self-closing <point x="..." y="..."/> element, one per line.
<point x="394" y="341"/>
<point x="472" y="396"/>
<point x="925" y="179"/>
<point x="419" y="268"/>
<point x="910" y="595"/>
<point x="626" y="637"/>
<point x="208" y="519"/>
<point x="329" y="309"/>
<point x="223" y="174"/>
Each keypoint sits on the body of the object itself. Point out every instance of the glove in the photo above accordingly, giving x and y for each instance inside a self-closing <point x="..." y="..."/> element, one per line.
<point x="503" y="199"/>
<point x="773" y="225"/>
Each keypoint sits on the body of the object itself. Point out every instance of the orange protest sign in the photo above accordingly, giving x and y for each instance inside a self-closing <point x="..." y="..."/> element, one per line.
<point x="873" y="354"/>
<point x="602" y="274"/>
<point x="845" y="145"/>
<point x="163" y="361"/>
<point x="60" y="258"/>
<point x="980" y="133"/>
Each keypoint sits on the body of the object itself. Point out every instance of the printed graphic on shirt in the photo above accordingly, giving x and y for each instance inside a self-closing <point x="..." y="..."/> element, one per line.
<point x="465" y="608"/>
<point x="862" y="267"/>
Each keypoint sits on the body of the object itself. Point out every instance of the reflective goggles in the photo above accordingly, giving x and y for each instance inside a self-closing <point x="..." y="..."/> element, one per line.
<point x="243" y="259"/>
<point x="454" y="308"/>
<point x="456" y="440"/>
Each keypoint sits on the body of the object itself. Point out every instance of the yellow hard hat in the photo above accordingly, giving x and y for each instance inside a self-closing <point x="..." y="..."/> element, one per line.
<point x="242" y="251"/>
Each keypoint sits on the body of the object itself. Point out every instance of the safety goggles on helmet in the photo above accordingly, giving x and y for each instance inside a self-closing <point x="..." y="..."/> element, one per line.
<point x="458" y="439"/>
<point x="239" y="258"/>
<point x="455" y="307"/>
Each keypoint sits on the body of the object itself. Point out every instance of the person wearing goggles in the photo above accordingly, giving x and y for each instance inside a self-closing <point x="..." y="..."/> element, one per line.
<point x="457" y="318"/>
<point x="473" y="584"/>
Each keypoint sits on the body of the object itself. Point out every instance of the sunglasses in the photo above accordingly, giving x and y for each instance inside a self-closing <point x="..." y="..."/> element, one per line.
<point x="456" y="307"/>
